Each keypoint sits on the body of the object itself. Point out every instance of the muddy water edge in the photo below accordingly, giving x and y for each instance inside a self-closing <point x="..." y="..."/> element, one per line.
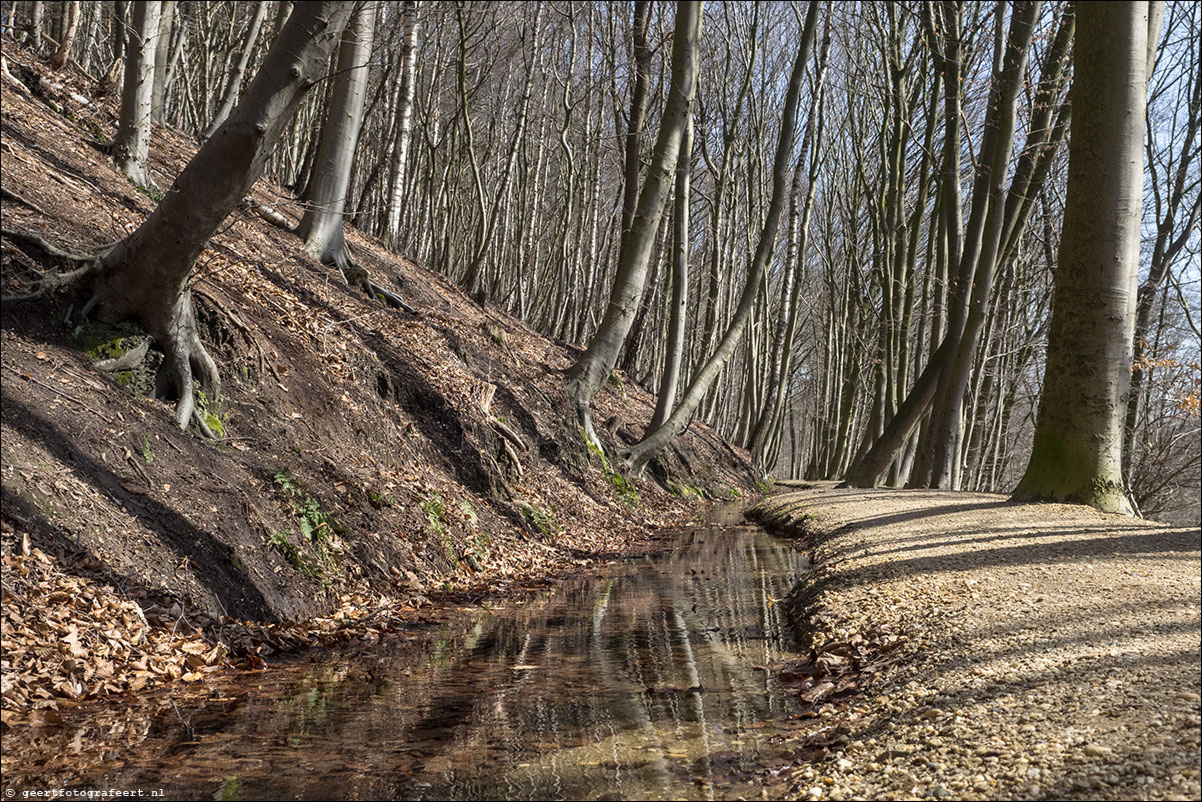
<point x="650" y="681"/>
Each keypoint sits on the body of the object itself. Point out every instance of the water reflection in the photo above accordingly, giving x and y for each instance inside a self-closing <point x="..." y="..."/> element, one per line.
<point x="644" y="684"/>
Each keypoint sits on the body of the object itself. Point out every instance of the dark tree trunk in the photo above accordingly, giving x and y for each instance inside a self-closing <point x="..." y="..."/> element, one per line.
<point x="145" y="275"/>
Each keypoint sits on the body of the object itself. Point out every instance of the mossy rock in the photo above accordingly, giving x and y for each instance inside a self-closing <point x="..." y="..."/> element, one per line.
<point x="101" y="341"/>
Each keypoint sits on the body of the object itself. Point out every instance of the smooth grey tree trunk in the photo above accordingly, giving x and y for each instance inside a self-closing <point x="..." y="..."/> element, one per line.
<point x="322" y="225"/>
<point x="593" y="368"/>
<point x="1077" y="452"/>
<point x="656" y="439"/>
<point x="1168" y="206"/>
<point x="145" y="275"/>
<point x="37" y="16"/>
<point x="405" y="93"/>
<point x="162" y="57"/>
<point x="131" y="148"/>
<point x="674" y="347"/>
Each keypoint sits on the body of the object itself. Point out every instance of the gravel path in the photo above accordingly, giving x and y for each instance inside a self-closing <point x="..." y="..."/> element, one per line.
<point x="1051" y="651"/>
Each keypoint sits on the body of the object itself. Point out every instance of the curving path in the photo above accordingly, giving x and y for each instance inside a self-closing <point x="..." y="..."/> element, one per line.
<point x="1051" y="651"/>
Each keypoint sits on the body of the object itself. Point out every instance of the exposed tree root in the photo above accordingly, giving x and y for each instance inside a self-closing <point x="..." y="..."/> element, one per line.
<point x="509" y="434"/>
<point x="185" y="363"/>
<point x="89" y="263"/>
<point x="33" y="239"/>
<point x="584" y="418"/>
<point x="127" y="361"/>
<point x="8" y="194"/>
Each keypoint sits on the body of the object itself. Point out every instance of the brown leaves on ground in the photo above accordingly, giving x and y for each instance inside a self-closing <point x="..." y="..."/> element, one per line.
<point x="842" y="668"/>
<point x="69" y="638"/>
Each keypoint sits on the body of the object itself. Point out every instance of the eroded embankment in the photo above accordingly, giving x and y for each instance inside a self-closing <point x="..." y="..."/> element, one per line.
<point x="371" y="458"/>
<point x="1047" y="651"/>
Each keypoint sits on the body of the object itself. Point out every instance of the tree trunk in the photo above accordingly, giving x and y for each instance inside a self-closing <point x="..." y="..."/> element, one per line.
<point x="322" y="225"/>
<point x="1166" y="247"/>
<point x="674" y="347"/>
<point x="405" y="93"/>
<point x="63" y="51"/>
<point x="1077" y="452"/>
<point x="37" y="15"/>
<point x="638" y="113"/>
<point x="146" y="274"/>
<point x="642" y="452"/>
<point x="593" y="368"/>
<point x="162" y="57"/>
<point x="131" y="148"/>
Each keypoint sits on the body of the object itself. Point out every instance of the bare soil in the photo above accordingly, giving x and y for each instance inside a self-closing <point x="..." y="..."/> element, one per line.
<point x="1044" y="651"/>
<point x="360" y="474"/>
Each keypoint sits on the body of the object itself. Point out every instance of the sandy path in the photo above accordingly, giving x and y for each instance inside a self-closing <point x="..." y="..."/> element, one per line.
<point x="1052" y="651"/>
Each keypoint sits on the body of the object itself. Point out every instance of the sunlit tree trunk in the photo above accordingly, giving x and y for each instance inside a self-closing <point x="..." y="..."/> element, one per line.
<point x="162" y="57"/>
<point x="131" y="148"/>
<point x="322" y="225"/>
<point x="593" y="368"/>
<point x="404" y="99"/>
<point x="1077" y="453"/>
<point x="674" y="347"/>
<point x="37" y="16"/>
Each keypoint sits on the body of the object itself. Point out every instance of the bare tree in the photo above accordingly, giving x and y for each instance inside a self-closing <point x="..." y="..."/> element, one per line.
<point x="594" y="366"/>
<point x="404" y="99"/>
<point x="146" y="274"/>
<point x="322" y="225"/>
<point x="1077" y="454"/>
<point x="131" y="148"/>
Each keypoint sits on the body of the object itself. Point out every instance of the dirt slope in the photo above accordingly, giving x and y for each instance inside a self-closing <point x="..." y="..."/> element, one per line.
<point x="1048" y="651"/>
<point x="360" y="466"/>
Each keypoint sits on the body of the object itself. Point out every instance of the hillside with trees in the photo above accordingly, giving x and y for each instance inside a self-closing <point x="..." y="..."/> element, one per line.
<point x="324" y="319"/>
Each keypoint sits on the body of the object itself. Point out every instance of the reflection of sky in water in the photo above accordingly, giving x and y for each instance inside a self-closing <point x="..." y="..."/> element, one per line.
<point x="644" y="683"/>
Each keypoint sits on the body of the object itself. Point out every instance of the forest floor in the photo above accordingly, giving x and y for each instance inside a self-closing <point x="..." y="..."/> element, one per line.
<point x="372" y="462"/>
<point x="1042" y="651"/>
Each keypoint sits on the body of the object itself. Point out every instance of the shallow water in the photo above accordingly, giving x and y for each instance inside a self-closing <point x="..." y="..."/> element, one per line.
<point x="647" y="682"/>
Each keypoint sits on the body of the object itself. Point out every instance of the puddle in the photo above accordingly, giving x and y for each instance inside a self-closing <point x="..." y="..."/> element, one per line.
<point x="645" y="683"/>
